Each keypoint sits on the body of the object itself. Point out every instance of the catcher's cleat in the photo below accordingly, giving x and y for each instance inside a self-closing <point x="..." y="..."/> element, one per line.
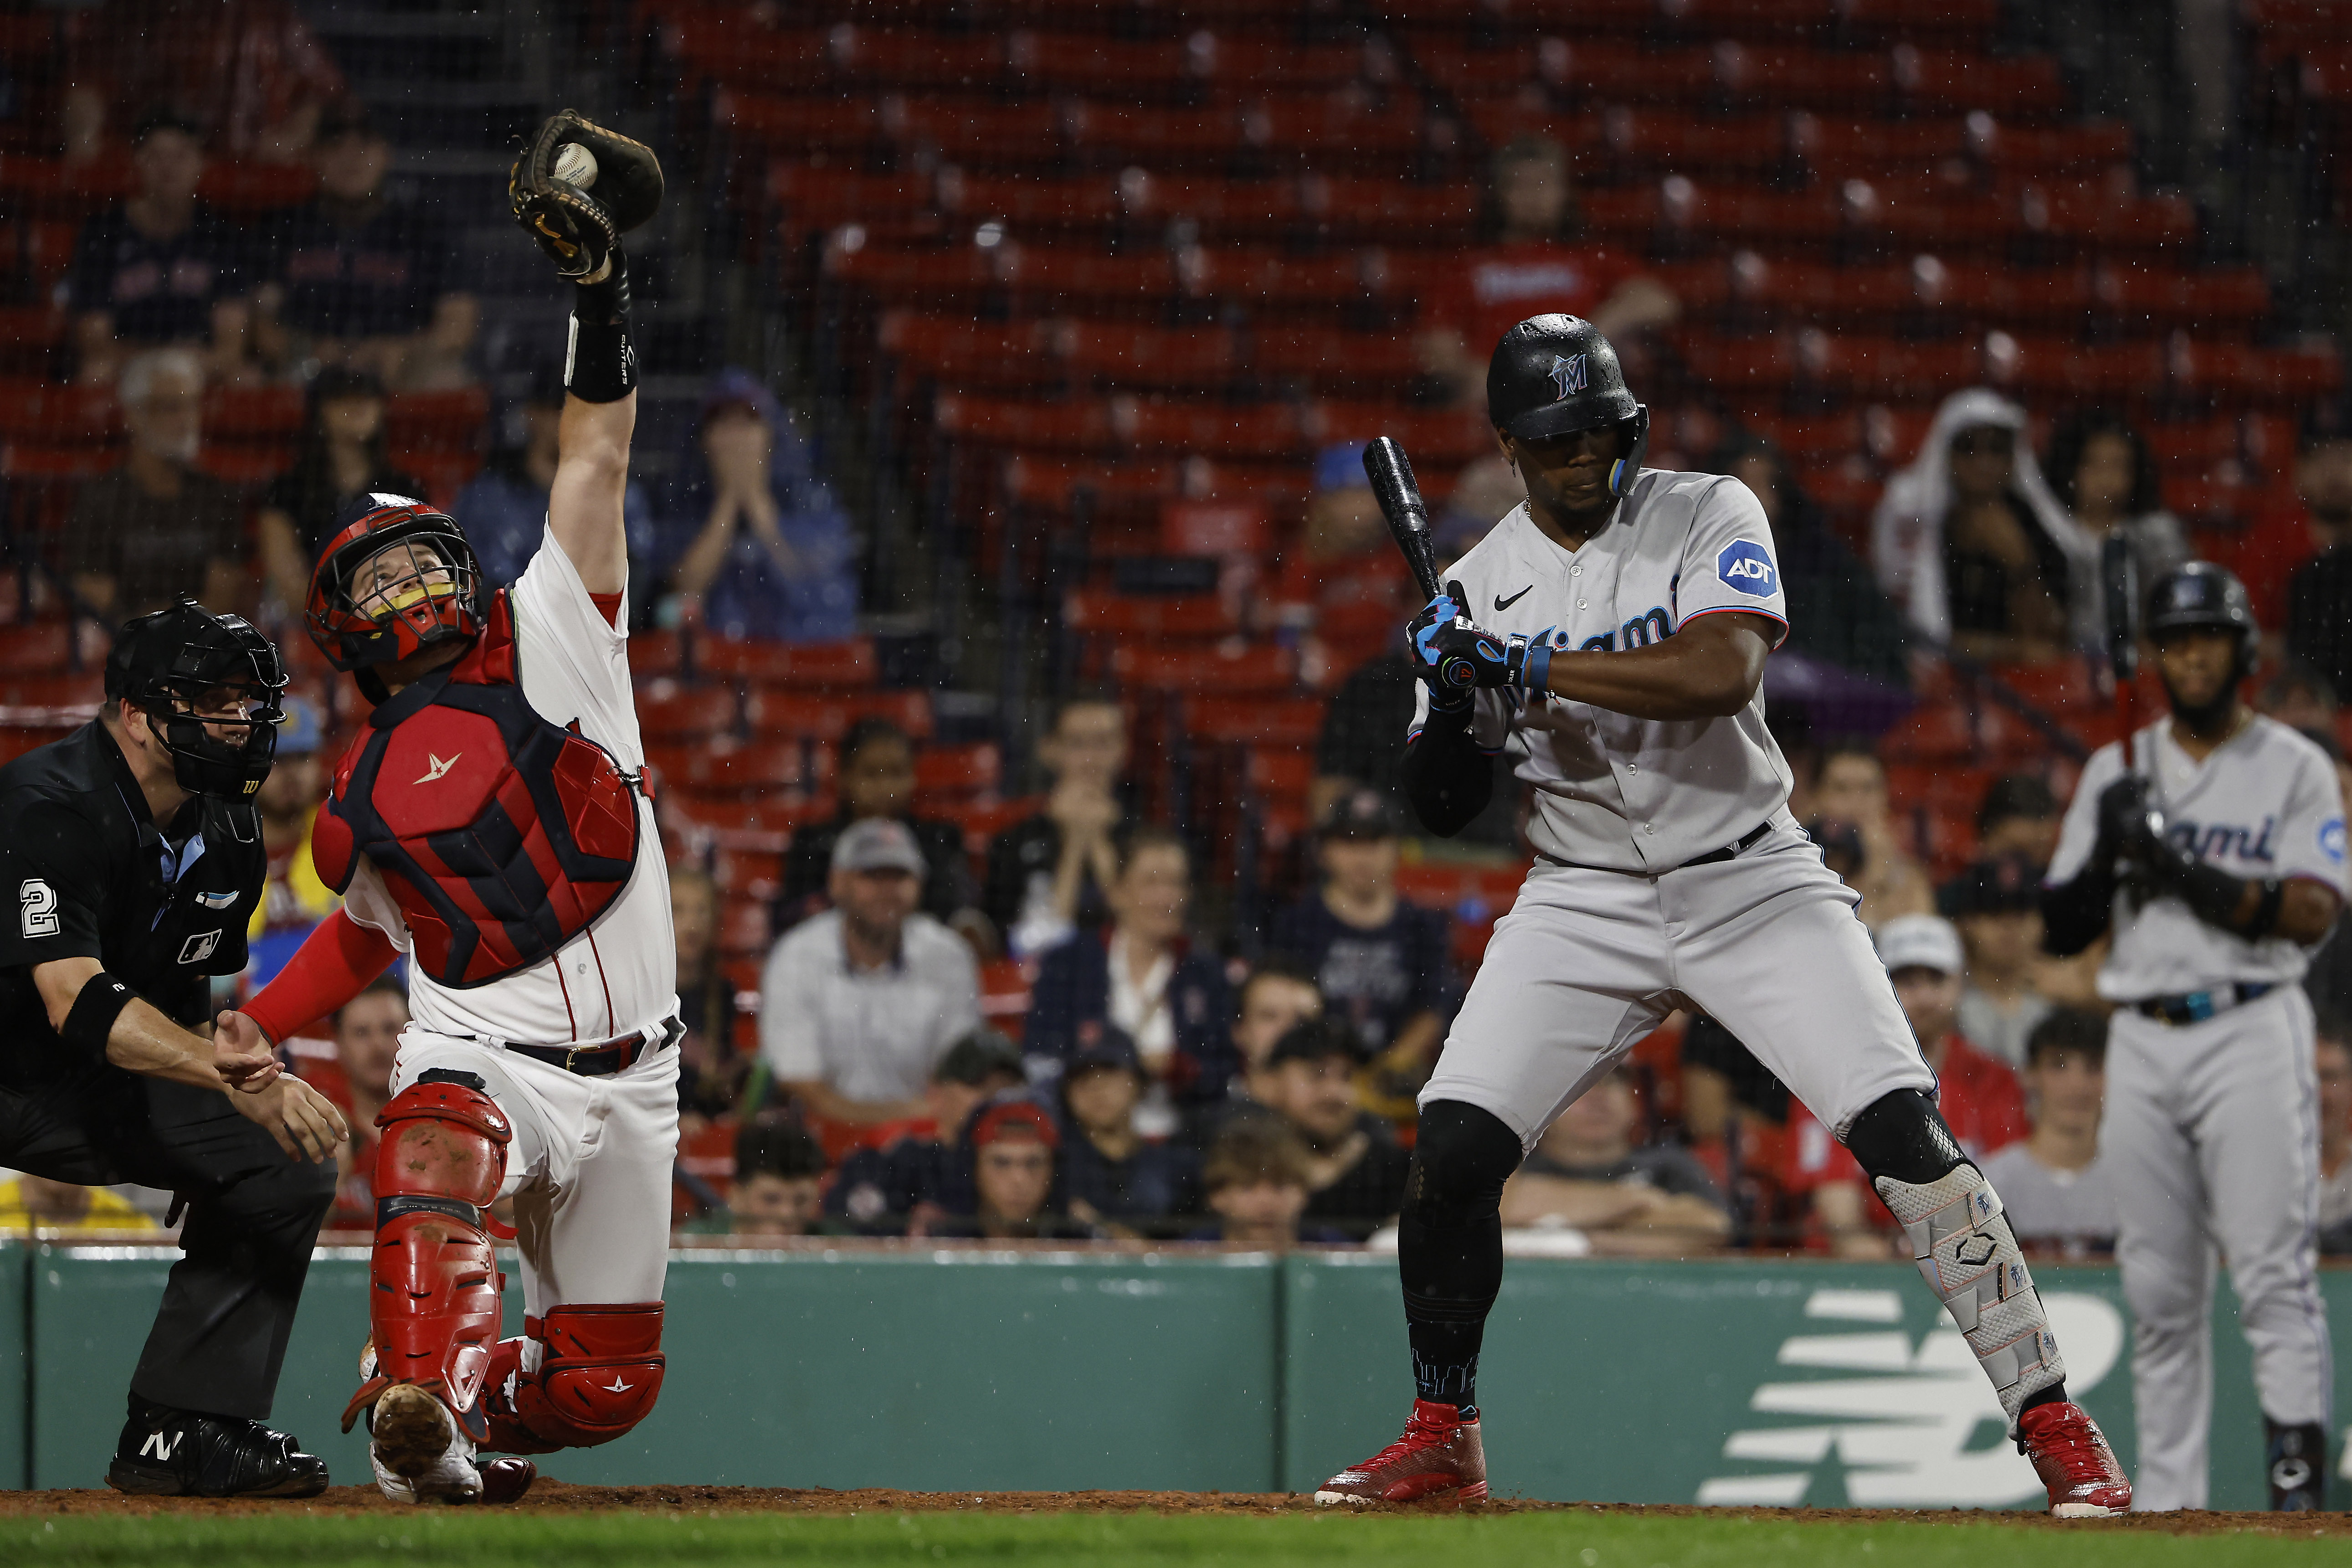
<point x="2071" y="1457"/>
<point x="418" y="1451"/>
<point x="506" y="1479"/>
<point x="1439" y="1460"/>
<point x="165" y="1452"/>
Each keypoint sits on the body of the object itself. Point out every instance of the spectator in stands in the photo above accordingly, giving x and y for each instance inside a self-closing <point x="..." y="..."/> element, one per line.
<point x="1280" y="992"/>
<point x="2333" y="1060"/>
<point x="779" y="1182"/>
<point x="1362" y="743"/>
<point x="710" y="1071"/>
<point x="2103" y="473"/>
<point x="1142" y="975"/>
<point x="1015" y="1146"/>
<point x="158" y="267"/>
<point x="1996" y="904"/>
<point x="875" y="771"/>
<point x="1343" y="565"/>
<point x="295" y="899"/>
<point x="1046" y="873"/>
<point x="358" y="1079"/>
<point x="1355" y="1168"/>
<point x="2299" y="697"/>
<point x="857" y="1004"/>
<point x="1723" y="1084"/>
<point x="155" y="528"/>
<point x="1973" y="545"/>
<point x="926" y="1169"/>
<point x="1848" y="786"/>
<point x="359" y="279"/>
<point x="342" y="457"/>
<point x="1381" y="961"/>
<point x="1979" y="1096"/>
<point x="2018" y="815"/>
<point x="755" y="544"/>
<point x="249" y="75"/>
<point x="2051" y="1185"/>
<point x="2273" y="555"/>
<point x="1836" y="612"/>
<point x="503" y="509"/>
<point x="1588" y="1174"/>
<point x="1117" y="1180"/>
<point x="30" y="1204"/>
<point x="1256" y="1178"/>
<point x="1539" y="261"/>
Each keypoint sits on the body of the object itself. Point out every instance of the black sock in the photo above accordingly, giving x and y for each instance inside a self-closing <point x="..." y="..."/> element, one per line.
<point x="1450" y="1244"/>
<point x="2053" y="1394"/>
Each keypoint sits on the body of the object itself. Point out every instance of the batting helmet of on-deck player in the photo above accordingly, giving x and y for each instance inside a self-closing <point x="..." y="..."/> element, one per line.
<point x="2198" y="594"/>
<point x="1554" y="376"/>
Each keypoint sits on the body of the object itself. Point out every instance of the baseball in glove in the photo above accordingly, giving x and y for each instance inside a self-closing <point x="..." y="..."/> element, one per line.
<point x="580" y="225"/>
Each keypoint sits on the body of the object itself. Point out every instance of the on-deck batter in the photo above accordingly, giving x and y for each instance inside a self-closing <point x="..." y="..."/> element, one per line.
<point x="1616" y="626"/>
<point x="2231" y="828"/>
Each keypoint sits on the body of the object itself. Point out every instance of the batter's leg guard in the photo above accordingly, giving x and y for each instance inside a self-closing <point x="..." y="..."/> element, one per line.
<point x="432" y="1297"/>
<point x="1964" y="1247"/>
<point x="584" y="1375"/>
<point x="1449" y="1243"/>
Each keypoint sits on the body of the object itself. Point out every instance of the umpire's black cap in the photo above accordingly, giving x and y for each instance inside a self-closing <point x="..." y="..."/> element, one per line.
<point x="1553" y="376"/>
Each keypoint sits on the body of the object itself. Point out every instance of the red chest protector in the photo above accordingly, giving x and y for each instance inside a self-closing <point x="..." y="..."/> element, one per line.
<point x="502" y="834"/>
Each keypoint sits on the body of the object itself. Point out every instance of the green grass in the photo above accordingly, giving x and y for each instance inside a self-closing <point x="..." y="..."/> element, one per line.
<point x="1554" y="1540"/>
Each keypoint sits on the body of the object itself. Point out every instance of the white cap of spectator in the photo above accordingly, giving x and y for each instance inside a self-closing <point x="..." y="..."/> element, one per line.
<point x="1921" y="941"/>
<point x="879" y="844"/>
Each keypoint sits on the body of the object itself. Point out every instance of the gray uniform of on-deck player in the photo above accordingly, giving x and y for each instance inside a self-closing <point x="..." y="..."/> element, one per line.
<point x="1614" y="929"/>
<point x="2210" y="1131"/>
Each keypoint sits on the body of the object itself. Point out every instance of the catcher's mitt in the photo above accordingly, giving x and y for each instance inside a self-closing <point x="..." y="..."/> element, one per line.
<point x="578" y="227"/>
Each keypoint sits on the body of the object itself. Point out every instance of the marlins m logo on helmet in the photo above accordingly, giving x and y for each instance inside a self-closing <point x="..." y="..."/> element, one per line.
<point x="1568" y="373"/>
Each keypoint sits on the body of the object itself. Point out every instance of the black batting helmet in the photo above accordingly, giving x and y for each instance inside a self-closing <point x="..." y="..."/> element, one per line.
<point x="1554" y="376"/>
<point x="194" y="673"/>
<point x="2200" y="596"/>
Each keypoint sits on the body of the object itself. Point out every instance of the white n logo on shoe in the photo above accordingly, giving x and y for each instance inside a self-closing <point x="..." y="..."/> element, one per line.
<point x="161" y="1445"/>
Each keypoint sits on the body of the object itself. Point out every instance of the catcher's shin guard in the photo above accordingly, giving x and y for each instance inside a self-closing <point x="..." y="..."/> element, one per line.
<point x="586" y="1375"/>
<point x="1968" y="1256"/>
<point x="432" y="1302"/>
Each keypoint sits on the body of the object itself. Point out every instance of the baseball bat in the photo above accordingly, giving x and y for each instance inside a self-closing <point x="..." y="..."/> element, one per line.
<point x="2120" y="580"/>
<point x="1399" y="494"/>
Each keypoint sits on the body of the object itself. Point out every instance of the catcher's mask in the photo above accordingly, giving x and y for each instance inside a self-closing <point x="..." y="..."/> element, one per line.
<point x="396" y="578"/>
<point x="211" y="688"/>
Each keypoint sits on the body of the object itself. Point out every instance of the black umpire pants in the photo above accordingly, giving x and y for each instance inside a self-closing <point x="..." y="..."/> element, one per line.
<point x="253" y="1216"/>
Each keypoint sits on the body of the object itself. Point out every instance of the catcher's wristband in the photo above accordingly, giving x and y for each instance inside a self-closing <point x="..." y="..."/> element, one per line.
<point x="600" y="363"/>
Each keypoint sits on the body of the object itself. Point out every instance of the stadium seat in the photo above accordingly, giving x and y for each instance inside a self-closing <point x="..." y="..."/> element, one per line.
<point x="1050" y="280"/>
<point x="959" y="772"/>
<point x="744" y="768"/>
<point x="965" y="353"/>
<point x="1255" y="721"/>
<point x="1113" y="353"/>
<point x="668" y="711"/>
<point x="1269" y="431"/>
<point x="973" y="131"/>
<point x="2048" y="150"/>
<point x="759" y="122"/>
<point x="828" y="665"/>
<point x="1119" y="134"/>
<point x="914" y="58"/>
<point x="252" y="413"/>
<point x="1330" y="357"/>
<point x="1222" y="669"/>
<point x="2014" y="86"/>
<point x="956" y="275"/>
<point x="44" y="412"/>
<point x="2213" y="300"/>
<point x="1081" y="425"/>
<point x="455" y="420"/>
<point x="1788" y="76"/>
<point x="828" y="717"/>
<point x="1189" y="616"/>
<point x="1030" y="202"/>
<point x="1661" y="142"/>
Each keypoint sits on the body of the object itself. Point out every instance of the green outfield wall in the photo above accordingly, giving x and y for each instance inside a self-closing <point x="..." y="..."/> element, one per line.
<point x="1728" y="1382"/>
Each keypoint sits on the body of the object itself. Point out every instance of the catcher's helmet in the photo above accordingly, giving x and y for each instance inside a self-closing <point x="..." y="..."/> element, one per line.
<point x="195" y="674"/>
<point x="1553" y="376"/>
<point x="396" y="577"/>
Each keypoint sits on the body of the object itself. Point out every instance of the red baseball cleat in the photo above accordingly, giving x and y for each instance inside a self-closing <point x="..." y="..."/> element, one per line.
<point x="1438" y="1460"/>
<point x="2071" y="1457"/>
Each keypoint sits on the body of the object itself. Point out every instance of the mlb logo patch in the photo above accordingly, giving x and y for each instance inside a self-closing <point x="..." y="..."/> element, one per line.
<point x="1744" y="565"/>
<point x="199" y="947"/>
<point x="1568" y="373"/>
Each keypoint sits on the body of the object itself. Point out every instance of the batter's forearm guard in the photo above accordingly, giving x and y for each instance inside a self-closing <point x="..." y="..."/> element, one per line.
<point x="1970" y="1257"/>
<point x="1448" y="779"/>
<point x="2075" y="914"/>
<point x="2214" y="896"/>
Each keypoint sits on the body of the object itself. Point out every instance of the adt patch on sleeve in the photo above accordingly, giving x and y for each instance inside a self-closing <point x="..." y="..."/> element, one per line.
<point x="2331" y="839"/>
<point x="1744" y="565"/>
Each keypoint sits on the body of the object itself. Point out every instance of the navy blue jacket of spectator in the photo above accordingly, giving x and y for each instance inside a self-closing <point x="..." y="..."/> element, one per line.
<point x="1073" y="989"/>
<point x="1155" y="1182"/>
<point x="1375" y="980"/>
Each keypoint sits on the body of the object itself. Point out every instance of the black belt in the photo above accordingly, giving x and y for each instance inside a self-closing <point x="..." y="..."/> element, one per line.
<point x="2196" y="1007"/>
<point x="1712" y="856"/>
<point x="601" y="1059"/>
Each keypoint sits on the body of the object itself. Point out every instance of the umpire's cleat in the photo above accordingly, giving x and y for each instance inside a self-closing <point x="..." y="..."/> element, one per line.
<point x="418" y="1451"/>
<point x="2071" y="1457"/>
<point x="1439" y="1460"/>
<point x="182" y="1453"/>
<point x="2298" y="1467"/>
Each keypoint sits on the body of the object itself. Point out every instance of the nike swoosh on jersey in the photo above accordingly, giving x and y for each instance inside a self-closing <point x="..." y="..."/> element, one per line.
<point x="438" y="767"/>
<point x="1503" y="604"/>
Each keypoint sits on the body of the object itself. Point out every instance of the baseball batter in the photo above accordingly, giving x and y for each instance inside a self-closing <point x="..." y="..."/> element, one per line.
<point x="490" y="825"/>
<point x="1614" y="629"/>
<point x="2216" y="862"/>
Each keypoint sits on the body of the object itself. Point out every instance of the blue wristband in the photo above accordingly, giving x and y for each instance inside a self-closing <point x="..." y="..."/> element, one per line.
<point x="1535" y="670"/>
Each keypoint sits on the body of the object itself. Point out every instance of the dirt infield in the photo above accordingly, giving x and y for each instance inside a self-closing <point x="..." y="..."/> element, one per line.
<point x="553" y="1495"/>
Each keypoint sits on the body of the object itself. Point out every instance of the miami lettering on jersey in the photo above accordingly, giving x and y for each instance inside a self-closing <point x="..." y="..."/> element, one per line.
<point x="2217" y="841"/>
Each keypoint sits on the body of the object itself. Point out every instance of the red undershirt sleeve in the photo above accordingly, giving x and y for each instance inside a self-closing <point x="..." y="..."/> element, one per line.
<point x="608" y="606"/>
<point x="331" y="966"/>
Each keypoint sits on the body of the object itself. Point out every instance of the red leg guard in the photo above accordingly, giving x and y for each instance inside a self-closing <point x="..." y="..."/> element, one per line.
<point x="434" y="1296"/>
<point x="600" y="1371"/>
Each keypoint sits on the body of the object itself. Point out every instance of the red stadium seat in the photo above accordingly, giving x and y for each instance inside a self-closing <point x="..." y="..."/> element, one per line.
<point x="27" y="460"/>
<point x="918" y="59"/>
<point x="40" y="648"/>
<point x="1784" y="78"/>
<point x="1805" y="292"/>
<point x="1905" y="216"/>
<point x="1210" y="528"/>
<point x="1224" y="669"/>
<point x="2093" y="214"/>
<point x="1443" y="438"/>
<point x="1118" y="355"/>
<point x="657" y="652"/>
<point x="813" y="197"/>
<point x="797" y="125"/>
<point x="46" y="412"/>
<point x="975" y="132"/>
<point x="1255" y="721"/>
<point x="1276" y="281"/>
<point x="1117" y="134"/>
<point x="1959" y="20"/>
<point x="1983" y="293"/>
<point x="965" y="353"/>
<point x="1329" y="357"/>
<point x="1084" y="424"/>
<point x="1384" y="210"/>
<point x="455" y="420"/>
<point x="2015" y="85"/>
<point x="807" y="666"/>
<point x="786" y="713"/>
<point x="1316" y="128"/>
<point x="1051" y="486"/>
<point x="961" y="770"/>
<point x="2084" y="148"/>
<point x="667" y="711"/>
<point x="743" y="768"/>
<point x="2210" y="300"/>
<point x="1771" y="20"/>
<point x="1662" y="142"/>
<point x="1080" y="62"/>
<point x="1151" y="424"/>
<point x="1836" y="147"/>
<point x="1033" y="202"/>
<point x="1744" y="214"/>
<point x="253" y="413"/>
<point x="1046" y="279"/>
<point x="1188" y="616"/>
<point x="957" y="274"/>
<point x="743" y="928"/>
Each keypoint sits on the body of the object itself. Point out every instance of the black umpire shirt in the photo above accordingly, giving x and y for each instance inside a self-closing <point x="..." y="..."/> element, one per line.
<point x="92" y="876"/>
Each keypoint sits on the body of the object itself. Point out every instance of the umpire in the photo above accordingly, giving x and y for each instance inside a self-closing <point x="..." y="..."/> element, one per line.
<point x="134" y="854"/>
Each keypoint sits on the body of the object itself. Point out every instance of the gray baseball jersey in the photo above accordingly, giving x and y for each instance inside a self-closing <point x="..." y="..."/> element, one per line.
<point x="1609" y="791"/>
<point x="2265" y="803"/>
